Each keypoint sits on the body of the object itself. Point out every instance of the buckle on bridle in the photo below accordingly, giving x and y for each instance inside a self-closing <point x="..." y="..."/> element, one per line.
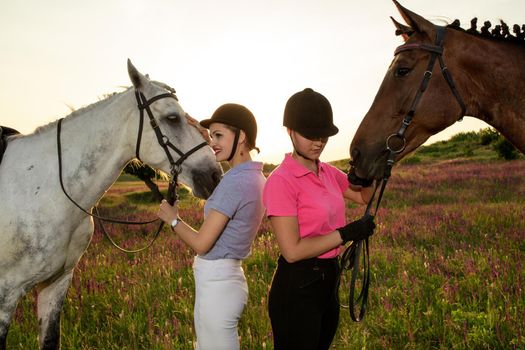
<point x="175" y="170"/>
<point x="154" y="123"/>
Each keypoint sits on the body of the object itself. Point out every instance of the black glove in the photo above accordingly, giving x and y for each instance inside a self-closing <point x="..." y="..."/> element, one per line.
<point x="357" y="230"/>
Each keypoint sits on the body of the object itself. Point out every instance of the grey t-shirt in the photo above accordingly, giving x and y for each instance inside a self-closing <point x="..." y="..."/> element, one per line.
<point x="239" y="197"/>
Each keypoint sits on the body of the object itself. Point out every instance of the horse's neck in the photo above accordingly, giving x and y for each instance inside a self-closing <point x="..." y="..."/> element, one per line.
<point x="96" y="145"/>
<point x="493" y="81"/>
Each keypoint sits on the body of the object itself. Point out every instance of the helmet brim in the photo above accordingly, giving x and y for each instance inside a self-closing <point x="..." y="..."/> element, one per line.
<point x="318" y="132"/>
<point x="207" y="122"/>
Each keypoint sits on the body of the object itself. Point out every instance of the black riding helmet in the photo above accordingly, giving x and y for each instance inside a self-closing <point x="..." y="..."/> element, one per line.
<point x="239" y="117"/>
<point x="310" y="114"/>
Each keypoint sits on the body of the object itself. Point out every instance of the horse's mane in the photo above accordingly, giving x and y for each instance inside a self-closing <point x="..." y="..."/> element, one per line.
<point x="77" y="112"/>
<point x="500" y="32"/>
<point x="105" y="97"/>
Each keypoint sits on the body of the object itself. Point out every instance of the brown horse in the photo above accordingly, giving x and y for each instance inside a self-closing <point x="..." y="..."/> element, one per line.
<point x="485" y="79"/>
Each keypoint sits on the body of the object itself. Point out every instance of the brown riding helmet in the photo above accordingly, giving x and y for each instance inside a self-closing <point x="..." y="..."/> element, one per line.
<point x="235" y="115"/>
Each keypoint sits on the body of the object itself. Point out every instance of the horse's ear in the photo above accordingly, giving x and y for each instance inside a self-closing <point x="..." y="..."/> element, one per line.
<point x="401" y="29"/>
<point x="136" y="77"/>
<point x="415" y="21"/>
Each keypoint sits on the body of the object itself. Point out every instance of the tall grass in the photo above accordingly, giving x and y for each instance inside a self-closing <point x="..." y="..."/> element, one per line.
<point x="447" y="260"/>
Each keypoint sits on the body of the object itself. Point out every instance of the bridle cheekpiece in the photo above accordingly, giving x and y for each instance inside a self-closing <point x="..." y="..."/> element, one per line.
<point x="143" y="104"/>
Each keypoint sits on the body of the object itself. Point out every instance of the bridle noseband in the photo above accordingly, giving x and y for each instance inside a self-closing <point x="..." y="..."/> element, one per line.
<point x="175" y="166"/>
<point x="351" y="256"/>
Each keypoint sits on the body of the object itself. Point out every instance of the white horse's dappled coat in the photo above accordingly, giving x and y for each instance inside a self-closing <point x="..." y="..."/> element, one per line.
<point x="42" y="234"/>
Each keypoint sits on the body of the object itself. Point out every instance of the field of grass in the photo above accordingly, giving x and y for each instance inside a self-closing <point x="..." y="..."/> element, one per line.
<point x="447" y="271"/>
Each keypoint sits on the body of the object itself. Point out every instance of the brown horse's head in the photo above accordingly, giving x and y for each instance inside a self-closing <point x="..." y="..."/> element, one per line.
<point x="437" y="108"/>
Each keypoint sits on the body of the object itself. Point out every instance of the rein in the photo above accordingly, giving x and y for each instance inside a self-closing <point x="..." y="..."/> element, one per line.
<point x="351" y="256"/>
<point x="175" y="166"/>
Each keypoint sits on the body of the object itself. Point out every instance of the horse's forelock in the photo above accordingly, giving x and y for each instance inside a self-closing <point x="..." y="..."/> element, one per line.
<point x="164" y="86"/>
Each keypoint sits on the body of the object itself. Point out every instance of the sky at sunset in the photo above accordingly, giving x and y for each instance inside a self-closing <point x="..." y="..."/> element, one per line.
<point x="58" y="54"/>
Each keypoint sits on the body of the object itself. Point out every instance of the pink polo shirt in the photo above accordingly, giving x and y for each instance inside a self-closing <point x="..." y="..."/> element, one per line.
<point x="316" y="201"/>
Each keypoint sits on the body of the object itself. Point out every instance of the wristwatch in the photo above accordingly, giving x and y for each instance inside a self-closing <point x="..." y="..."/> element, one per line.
<point x="174" y="223"/>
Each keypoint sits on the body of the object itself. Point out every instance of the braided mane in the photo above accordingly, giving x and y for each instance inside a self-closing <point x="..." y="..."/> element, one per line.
<point x="499" y="32"/>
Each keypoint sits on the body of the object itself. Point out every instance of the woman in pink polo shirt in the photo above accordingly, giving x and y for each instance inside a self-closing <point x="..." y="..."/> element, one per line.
<point x="305" y="201"/>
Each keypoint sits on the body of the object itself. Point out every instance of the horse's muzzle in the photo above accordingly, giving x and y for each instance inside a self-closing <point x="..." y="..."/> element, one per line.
<point x="205" y="182"/>
<point x="356" y="180"/>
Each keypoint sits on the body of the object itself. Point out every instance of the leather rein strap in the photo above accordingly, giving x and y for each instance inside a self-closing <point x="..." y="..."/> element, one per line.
<point x="164" y="142"/>
<point x="352" y="254"/>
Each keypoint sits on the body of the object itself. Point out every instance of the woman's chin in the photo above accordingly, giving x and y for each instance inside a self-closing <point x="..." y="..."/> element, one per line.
<point x="315" y="154"/>
<point x="219" y="157"/>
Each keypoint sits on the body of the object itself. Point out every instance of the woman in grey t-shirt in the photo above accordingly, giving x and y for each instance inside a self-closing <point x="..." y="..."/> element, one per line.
<point x="232" y="216"/>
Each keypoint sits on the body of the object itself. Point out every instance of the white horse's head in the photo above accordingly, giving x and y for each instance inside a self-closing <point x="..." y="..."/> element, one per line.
<point x="199" y="171"/>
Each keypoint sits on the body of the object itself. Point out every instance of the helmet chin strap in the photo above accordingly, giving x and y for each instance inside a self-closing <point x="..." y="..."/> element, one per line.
<point x="234" y="147"/>
<point x="297" y="151"/>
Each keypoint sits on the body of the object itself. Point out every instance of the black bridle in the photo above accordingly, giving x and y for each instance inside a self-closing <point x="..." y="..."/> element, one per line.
<point x="351" y="256"/>
<point x="175" y="166"/>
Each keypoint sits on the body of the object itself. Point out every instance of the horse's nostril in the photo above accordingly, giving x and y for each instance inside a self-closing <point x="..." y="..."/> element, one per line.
<point x="355" y="155"/>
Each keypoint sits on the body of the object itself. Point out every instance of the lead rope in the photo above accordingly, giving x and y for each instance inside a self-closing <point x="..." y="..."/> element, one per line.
<point x="171" y="198"/>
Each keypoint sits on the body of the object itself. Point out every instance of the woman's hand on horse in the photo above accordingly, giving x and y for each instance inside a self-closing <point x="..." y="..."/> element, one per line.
<point x="168" y="213"/>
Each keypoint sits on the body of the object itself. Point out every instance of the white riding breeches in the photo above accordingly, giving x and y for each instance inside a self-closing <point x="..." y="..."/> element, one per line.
<point x="221" y="293"/>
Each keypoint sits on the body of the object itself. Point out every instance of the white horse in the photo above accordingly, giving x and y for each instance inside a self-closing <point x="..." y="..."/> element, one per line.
<point x="42" y="234"/>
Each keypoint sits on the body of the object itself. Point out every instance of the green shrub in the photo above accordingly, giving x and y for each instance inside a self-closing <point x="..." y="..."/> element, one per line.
<point x="412" y="160"/>
<point x="465" y="136"/>
<point x="488" y="136"/>
<point x="268" y="167"/>
<point x="468" y="151"/>
<point x="505" y="149"/>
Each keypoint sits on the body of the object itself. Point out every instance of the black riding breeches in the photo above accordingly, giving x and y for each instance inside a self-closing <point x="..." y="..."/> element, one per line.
<point x="303" y="309"/>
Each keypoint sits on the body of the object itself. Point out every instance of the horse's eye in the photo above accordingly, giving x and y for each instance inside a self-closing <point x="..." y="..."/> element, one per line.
<point x="172" y="117"/>
<point x="401" y="72"/>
